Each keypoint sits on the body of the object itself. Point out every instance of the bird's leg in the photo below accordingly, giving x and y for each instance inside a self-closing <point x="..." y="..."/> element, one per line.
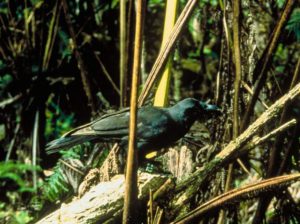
<point x="153" y="166"/>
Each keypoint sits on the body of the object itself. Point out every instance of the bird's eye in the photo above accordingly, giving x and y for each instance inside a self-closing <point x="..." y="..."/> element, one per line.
<point x="203" y="105"/>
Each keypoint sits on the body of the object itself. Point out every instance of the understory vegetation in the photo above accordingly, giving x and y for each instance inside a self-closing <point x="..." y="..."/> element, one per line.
<point x="60" y="68"/>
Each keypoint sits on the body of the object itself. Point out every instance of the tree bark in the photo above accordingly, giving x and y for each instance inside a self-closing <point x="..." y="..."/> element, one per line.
<point x="103" y="203"/>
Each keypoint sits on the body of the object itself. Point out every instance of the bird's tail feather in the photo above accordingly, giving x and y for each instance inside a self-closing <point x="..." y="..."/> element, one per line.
<point x="67" y="142"/>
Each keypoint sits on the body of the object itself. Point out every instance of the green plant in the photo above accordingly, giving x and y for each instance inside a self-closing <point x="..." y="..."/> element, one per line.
<point x="14" y="173"/>
<point x="293" y="24"/>
<point x="57" y="122"/>
<point x="59" y="184"/>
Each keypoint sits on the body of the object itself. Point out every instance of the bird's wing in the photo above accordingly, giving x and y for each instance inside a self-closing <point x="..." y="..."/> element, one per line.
<point x="110" y="125"/>
<point x="152" y="123"/>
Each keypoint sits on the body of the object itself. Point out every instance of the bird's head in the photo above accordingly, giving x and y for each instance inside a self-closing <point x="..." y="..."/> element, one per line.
<point x="191" y="109"/>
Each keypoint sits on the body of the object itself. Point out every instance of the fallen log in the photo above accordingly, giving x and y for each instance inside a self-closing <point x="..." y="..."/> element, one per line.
<point x="103" y="203"/>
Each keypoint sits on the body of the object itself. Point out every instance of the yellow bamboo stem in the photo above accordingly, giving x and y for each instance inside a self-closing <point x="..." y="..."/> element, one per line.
<point x="161" y="95"/>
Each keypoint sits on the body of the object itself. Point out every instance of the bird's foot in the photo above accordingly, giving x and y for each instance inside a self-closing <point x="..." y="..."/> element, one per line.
<point x="154" y="167"/>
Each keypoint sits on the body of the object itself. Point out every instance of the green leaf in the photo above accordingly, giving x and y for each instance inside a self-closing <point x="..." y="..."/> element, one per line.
<point x="280" y="3"/>
<point x="114" y="4"/>
<point x="37" y="3"/>
<point x="293" y="24"/>
<point x="22" y="217"/>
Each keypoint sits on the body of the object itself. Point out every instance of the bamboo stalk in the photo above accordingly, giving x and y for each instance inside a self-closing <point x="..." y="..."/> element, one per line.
<point x="161" y="59"/>
<point x="162" y="92"/>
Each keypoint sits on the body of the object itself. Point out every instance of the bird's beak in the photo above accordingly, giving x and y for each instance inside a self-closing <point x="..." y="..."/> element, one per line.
<point x="211" y="107"/>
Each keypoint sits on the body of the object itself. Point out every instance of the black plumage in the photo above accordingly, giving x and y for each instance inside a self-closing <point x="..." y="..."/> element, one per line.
<point x="156" y="127"/>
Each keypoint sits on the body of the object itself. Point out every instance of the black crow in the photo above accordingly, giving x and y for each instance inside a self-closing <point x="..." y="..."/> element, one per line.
<point x="157" y="127"/>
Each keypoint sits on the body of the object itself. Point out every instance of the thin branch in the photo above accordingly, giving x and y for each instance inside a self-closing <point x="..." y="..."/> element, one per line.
<point x="150" y="209"/>
<point x="264" y="62"/>
<point x="130" y="200"/>
<point x="233" y="149"/>
<point x="53" y="28"/>
<point x="105" y="72"/>
<point x="273" y="168"/>
<point x="257" y="140"/>
<point x="237" y="83"/>
<point x="158" y="216"/>
<point x="12" y="143"/>
<point x="290" y="146"/>
<point x="275" y="151"/>
<point x="249" y="90"/>
<point x="11" y="100"/>
<point x="237" y="63"/>
<point x="35" y="146"/>
<point x="220" y="70"/>
<point x="81" y="65"/>
<point x="162" y="58"/>
<point x="123" y="52"/>
<point x="215" y="164"/>
<point x="71" y="167"/>
<point x="237" y="195"/>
